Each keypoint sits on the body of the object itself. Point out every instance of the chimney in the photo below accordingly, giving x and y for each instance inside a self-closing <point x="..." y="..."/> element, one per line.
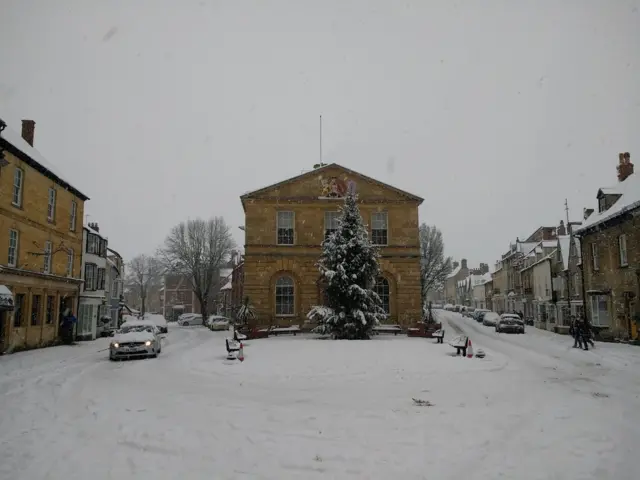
<point x="484" y="268"/>
<point x="561" y="229"/>
<point x="455" y="265"/>
<point x="94" y="226"/>
<point x="586" y="212"/>
<point x="625" y="168"/>
<point x="28" y="131"/>
<point x="464" y="264"/>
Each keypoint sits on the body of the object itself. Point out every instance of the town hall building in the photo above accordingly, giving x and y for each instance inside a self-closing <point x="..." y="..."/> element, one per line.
<point x="285" y="224"/>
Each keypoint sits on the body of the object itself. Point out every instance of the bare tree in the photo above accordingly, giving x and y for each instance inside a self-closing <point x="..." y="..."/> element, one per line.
<point x="144" y="272"/>
<point x="198" y="249"/>
<point x="434" y="265"/>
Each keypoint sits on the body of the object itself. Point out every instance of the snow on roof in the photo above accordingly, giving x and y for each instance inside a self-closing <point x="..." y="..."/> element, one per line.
<point x="112" y="263"/>
<point x="227" y="286"/>
<point x="564" y="241"/>
<point x="15" y="139"/>
<point x="549" y="243"/>
<point x="610" y="190"/>
<point x="487" y="277"/>
<point x="95" y="232"/>
<point x="4" y="290"/>
<point x="629" y="192"/>
<point x="225" y="272"/>
<point x="454" y="272"/>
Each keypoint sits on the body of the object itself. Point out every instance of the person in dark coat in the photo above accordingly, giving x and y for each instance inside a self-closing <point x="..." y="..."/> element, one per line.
<point x="574" y="331"/>
<point x="587" y="333"/>
<point x="66" y="327"/>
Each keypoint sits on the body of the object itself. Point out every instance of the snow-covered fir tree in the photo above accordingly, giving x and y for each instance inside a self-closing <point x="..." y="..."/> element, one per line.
<point x="349" y="267"/>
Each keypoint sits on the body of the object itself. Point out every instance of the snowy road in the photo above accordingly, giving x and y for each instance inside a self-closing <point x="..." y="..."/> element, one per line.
<point x="534" y="408"/>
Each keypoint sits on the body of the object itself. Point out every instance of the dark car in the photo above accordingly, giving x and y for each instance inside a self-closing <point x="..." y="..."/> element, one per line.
<point x="510" y="324"/>
<point x="478" y="315"/>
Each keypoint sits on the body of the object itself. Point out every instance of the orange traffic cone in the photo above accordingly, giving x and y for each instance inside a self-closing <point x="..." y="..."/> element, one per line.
<point x="241" y="353"/>
<point x="470" y="350"/>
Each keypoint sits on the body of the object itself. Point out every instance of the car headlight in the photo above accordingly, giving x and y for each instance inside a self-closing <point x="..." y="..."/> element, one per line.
<point x="115" y="345"/>
<point x="148" y="343"/>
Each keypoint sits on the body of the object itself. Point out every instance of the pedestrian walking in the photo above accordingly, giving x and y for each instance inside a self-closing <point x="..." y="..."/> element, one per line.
<point x="587" y="333"/>
<point x="574" y="331"/>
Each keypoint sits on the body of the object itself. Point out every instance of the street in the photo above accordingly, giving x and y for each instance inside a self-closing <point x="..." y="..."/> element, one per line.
<point x="299" y="407"/>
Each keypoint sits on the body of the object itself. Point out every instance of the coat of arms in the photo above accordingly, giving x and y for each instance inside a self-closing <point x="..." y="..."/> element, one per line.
<point x="333" y="187"/>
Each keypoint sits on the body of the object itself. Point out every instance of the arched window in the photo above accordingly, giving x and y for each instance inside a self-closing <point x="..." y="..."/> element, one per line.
<point x="382" y="289"/>
<point x="285" y="298"/>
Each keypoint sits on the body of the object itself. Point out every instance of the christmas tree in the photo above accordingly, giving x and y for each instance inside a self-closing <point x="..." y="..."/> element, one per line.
<point x="349" y="267"/>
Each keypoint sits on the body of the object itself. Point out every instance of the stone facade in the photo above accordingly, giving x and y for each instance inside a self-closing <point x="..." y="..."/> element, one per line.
<point x="39" y="213"/>
<point x="610" y="247"/>
<point x="285" y="265"/>
<point x="460" y="272"/>
<point x="612" y="284"/>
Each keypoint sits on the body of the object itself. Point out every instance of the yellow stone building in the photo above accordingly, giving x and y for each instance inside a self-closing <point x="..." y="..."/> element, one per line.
<point x="286" y="223"/>
<point x="40" y="243"/>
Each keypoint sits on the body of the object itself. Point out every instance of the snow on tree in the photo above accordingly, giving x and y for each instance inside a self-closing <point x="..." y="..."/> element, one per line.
<point x="144" y="273"/>
<point x="198" y="249"/>
<point x="434" y="266"/>
<point x="349" y="267"/>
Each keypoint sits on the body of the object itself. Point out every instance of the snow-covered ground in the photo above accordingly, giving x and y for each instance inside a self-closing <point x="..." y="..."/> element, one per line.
<point x="299" y="407"/>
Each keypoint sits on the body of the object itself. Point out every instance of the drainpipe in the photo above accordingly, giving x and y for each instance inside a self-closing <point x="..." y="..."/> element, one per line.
<point x="587" y="313"/>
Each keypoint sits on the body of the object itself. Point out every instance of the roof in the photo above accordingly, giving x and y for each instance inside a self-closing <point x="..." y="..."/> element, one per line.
<point x="315" y="171"/>
<point x="454" y="272"/>
<point x="18" y="146"/>
<point x="564" y="241"/>
<point x="629" y="192"/>
<point x="543" y="259"/>
<point x="95" y="232"/>
<point x="227" y="286"/>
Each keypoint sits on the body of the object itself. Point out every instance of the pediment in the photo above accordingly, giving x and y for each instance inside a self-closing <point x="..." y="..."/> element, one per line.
<point x="330" y="182"/>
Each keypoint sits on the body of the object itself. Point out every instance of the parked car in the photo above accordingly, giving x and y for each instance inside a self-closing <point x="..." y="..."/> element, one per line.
<point x="510" y="324"/>
<point x="448" y="307"/>
<point x="468" y="312"/>
<point x="159" y="321"/>
<point x="136" y="339"/>
<point x="490" y="319"/>
<point x="218" y="322"/>
<point x="478" y="314"/>
<point x="190" y="319"/>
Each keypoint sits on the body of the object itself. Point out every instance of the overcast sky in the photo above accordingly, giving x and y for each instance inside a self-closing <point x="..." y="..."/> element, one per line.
<point x="493" y="111"/>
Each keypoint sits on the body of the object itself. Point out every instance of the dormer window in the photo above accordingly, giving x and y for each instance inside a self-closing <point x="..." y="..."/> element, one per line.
<point x="602" y="204"/>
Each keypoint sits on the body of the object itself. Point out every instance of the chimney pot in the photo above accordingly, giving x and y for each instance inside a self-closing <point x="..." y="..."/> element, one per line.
<point x="464" y="263"/>
<point x="28" y="131"/>
<point x="625" y="167"/>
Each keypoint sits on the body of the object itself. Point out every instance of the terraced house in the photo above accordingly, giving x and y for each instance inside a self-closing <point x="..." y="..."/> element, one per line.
<point x="610" y="246"/>
<point x="286" y="223"/>
<point x="40" y="242"/>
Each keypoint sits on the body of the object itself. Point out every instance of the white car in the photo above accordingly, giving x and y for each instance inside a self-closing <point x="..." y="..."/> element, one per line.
<point x="218" y="322"/>
<point x="136" y="339"/>
<point x="158" y="320"/>
<point x="490" y="319"/>
<point x="190" y="319"/>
